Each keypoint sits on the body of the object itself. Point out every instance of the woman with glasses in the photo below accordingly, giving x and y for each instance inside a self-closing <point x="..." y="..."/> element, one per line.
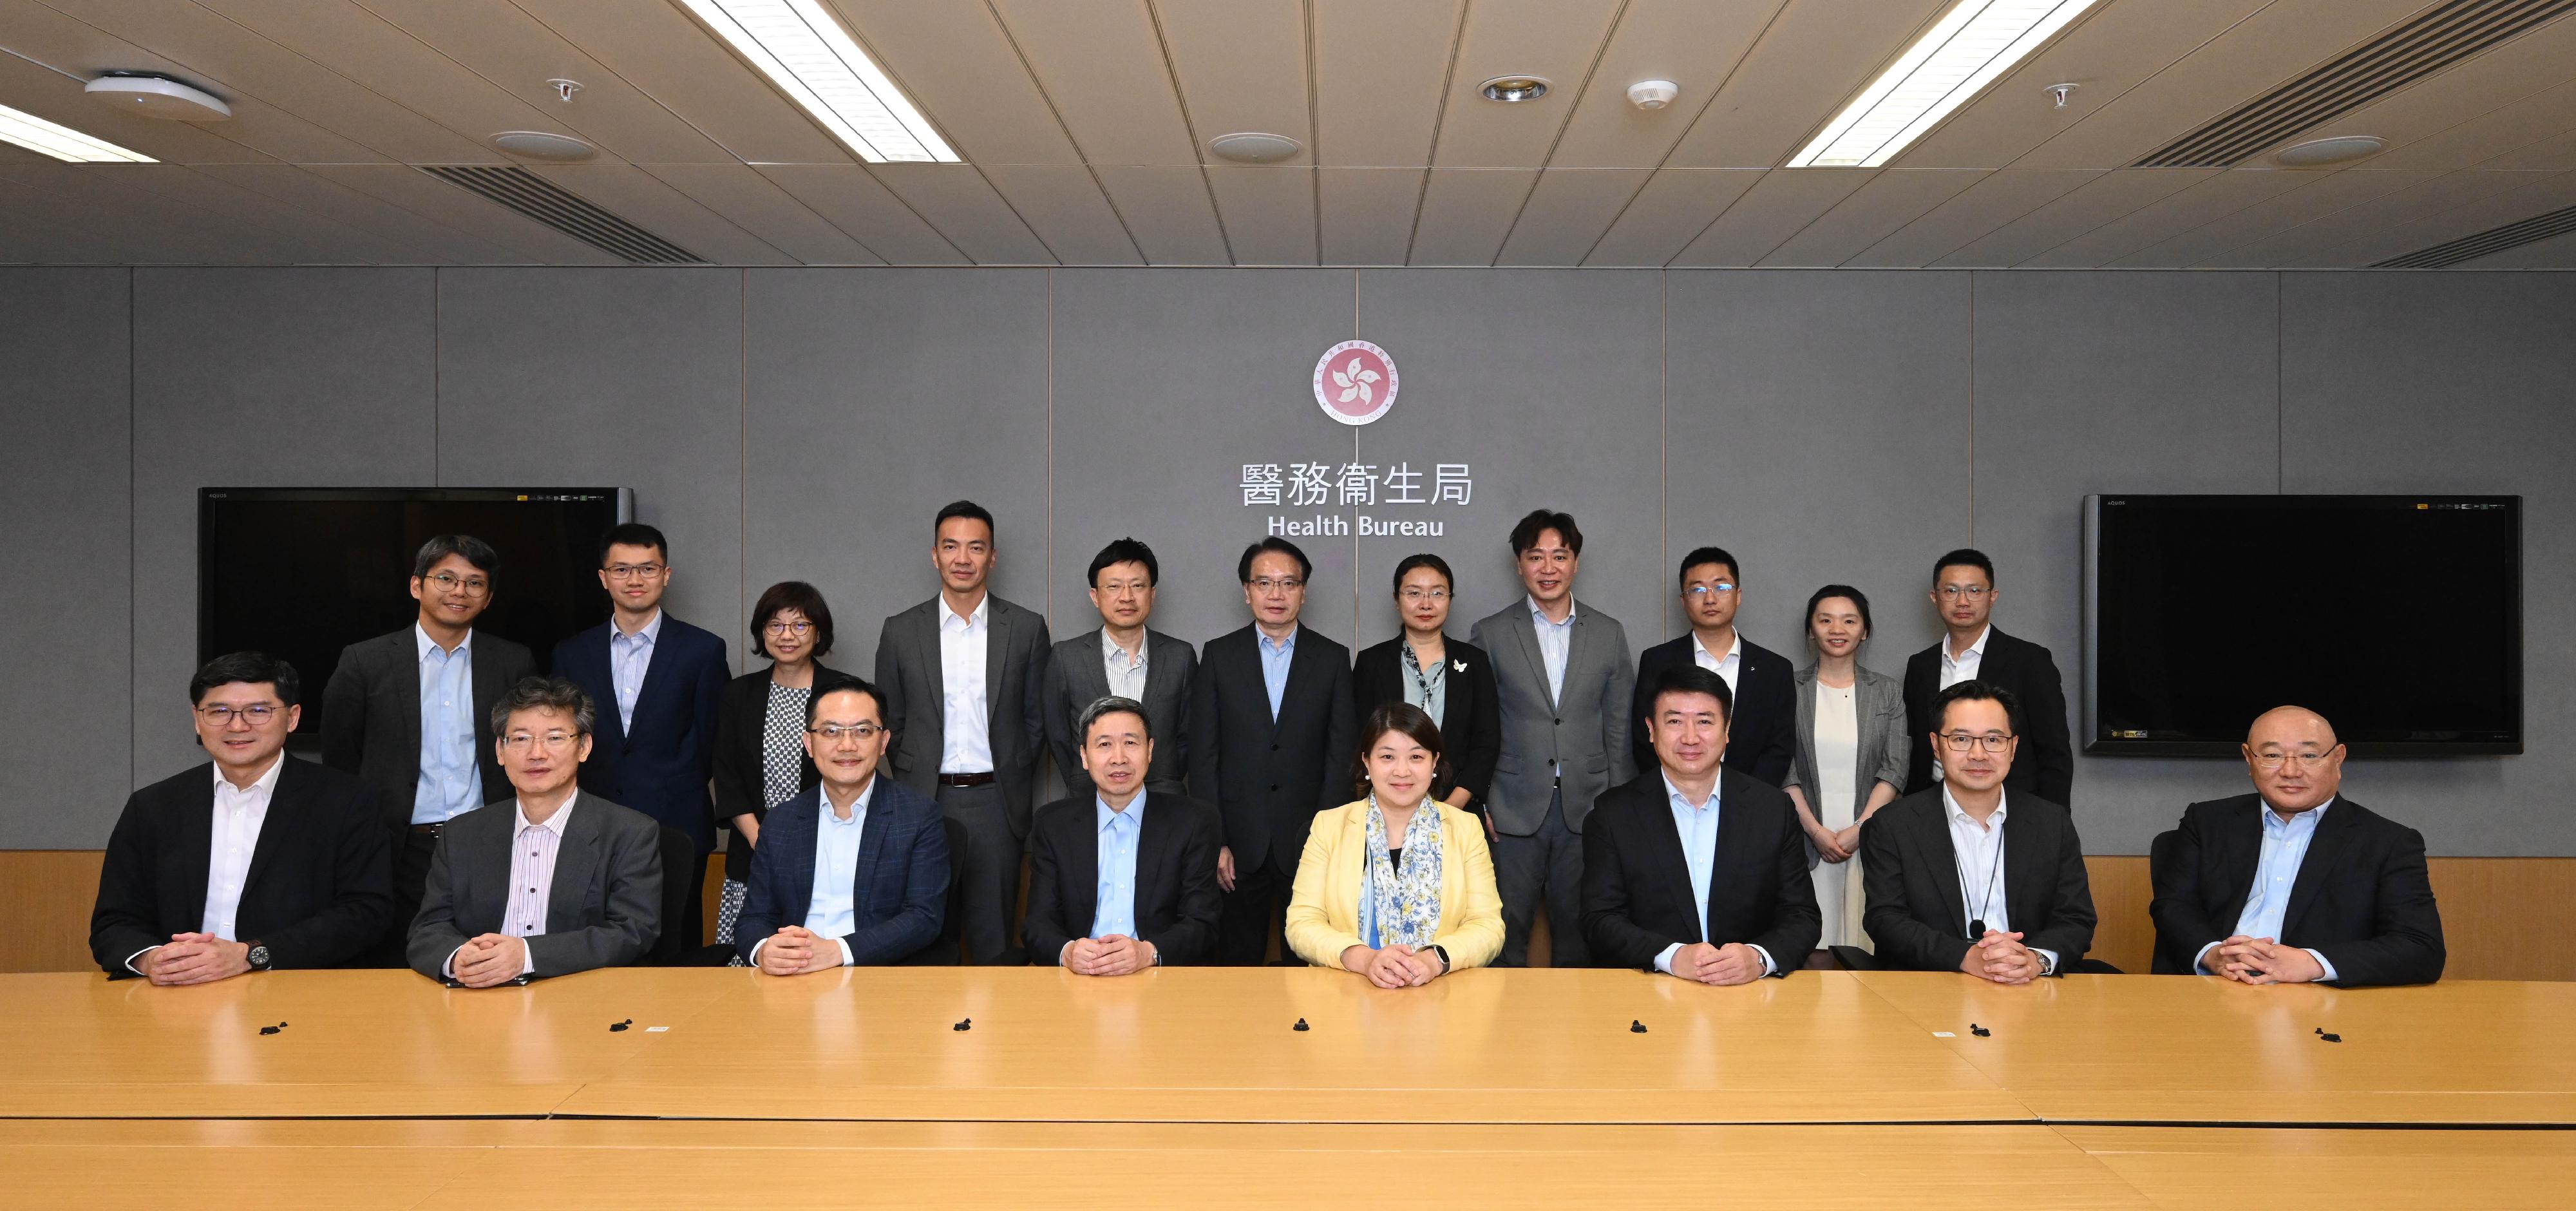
<point x="1447" y="679"/>
<point x="760" y="757"/>
<point x="1851" y="754"/>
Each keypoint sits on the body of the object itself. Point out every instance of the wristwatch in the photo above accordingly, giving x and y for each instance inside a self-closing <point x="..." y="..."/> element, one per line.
<point x="258" y="956"/>
<point x="1443" y="952"/>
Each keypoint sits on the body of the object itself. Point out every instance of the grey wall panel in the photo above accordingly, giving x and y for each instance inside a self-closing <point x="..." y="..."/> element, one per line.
<point x="2453" y="383"/>
<point x="259" y="377"/>
<point x="1819" y="432"/>
<point x="873" y="398"/>
<point x="623" y="377"/>
<point x="2113" y="382"/>
<point x="65" y="475"/>
<point x="1167" y="381"/>
<point x="1548" y="384"/>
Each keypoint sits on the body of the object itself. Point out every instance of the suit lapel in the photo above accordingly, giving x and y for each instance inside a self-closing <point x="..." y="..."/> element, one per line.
<point x="2242" y="853"/>
<point x="872" y="839"/>
<point x="1159" y="670"/>
<point x="1668" y="842"/>
<point x="2317" y="865"/>
<point x="2028" y="845"/>
<point x="1940" y="855"/>
<point x="654" y="665"/>
<point x="196" y="844"/>
<point x="406" y="657"/>
<point x="576" y="858"/>
<point x="1526" y="632"/>
<point x="997" y="642"/>
<point x="284" y="819"/>
<point x="1300" y="671"/>
<point x="602" y="657"/>
<point x="927" y="635"/>
<point x="1082" y="865"/>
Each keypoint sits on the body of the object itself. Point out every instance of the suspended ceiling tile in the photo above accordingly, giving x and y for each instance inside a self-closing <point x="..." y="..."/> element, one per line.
<point x="1696" y="44"/>
<point x="1997" y="199"/>
<point x="1568" y="212"/>
<point x="1772" y="212"/>
<point x="668" y="56"/>
<point x="854" y="201"/>
<point x="751" y="202"/>
<point x="1378" y="74"/>
<point x="287" y="233"/>
<point x="2554" y="152"/>
<point x="2442" y="122"/>
<point x="960" y="68"/>
<point x="1069" y="211"/>
<point x="58" y="98"/>
<point x="2319" y="242"/>
<point x="1103" y="65"/>
<point x="1168" y="210"/>
<point x="1815" y="57"/>
<point x="1887" y="203"/>
<point x="2204" y="202"/>
<point x="1553" y="39"/>
<point x="1242" y="67"/>
<point x="424" y="240"/>
<point x="525" y="241"/>
<point x="2556" y="253"/>
<point x="2102" y="200"/>
<point x="1368" y="213"/>
<point x="1675" y="205"/>
<point x="2496" y="134"/>
<point x="1269" y="213"/>
<point x="2281" y="212"/>
<point x="2523" y="195"/>
<point x="642" y="199"/>
<point x="1465" y="214"/>
<point x="956" y="199"/>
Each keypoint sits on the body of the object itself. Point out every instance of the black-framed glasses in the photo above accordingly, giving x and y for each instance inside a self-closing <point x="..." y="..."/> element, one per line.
<point x="1960" y="742"/>
<point x="2277" y="760"/>
<point x="256" y="714"/>
<point x="1703" y="590"/>
<point x="449" y="582"/>
<point x="1276" y="584"/>
<point x="1953" y="592"/>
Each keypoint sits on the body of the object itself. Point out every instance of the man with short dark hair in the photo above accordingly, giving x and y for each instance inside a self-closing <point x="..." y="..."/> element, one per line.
<point x="1272" y="732"/>
<point x="657" y="682"/>
<point x="963" y="677"/>
<point x="410" y="714"/>
<point x="251" y="862"/>
<point x="1565" y="682"/>
<point x="1973" y="649"/>
<point x="1126" y="659"/>
<point x="1115" y="888"/>
<point x="1762" y="736"/>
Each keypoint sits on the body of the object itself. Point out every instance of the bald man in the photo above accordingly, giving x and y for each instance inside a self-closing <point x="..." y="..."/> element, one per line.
<point x="2293" y="884"/>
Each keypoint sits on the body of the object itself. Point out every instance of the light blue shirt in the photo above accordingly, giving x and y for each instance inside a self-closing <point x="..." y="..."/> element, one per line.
<point x="1697" y="823"/>
<point x="1275" y="659"/>
<point x="629" y="656"/>
<point x="1555" y="640"/>
<point x="1114" y="906"/>
<point x="834" y="911"/>
<point x="2267" y="903"/>
<point x="451" y="780"/>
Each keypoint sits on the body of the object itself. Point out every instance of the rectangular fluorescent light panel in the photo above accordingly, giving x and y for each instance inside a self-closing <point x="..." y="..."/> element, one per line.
<point x="803" y="50"/>
<point x="1953" y="61"/>
<point x="62" y="142"/>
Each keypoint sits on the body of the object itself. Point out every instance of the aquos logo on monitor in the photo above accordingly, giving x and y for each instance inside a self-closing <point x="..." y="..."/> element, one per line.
<point x="1355" y="382"/>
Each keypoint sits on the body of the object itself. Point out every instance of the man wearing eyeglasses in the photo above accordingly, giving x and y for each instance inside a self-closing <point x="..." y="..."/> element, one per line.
<point x="2294" y="883"/>
<point x="1127" y="659"/>
<point x="1967" y="876"/>
<point x="854" y="870"/>
<point x="1963" y="590"/>
<point x="551" y="881"/>
<point x="658" y="682"/>
<point x="409" y="713"/>
<point x="1271" y="739"/>
<point x="1763" y="735"/>
<point x="252" y="862"/>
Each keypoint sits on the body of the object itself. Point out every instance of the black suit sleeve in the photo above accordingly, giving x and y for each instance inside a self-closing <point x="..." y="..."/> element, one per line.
<point x="124" y="919"/>
<point x="1482" y="745"/>
<point x="1192" y="938"/>
<point x="2043" y="708"/>
<point x="1896" y="927"/>
<point x="1921" y="681"/>
<point x="1615" y="939"/>
<point x="2406" y="942"/>
<point x="1043" y="928"/>
<point x="1777" y="708"/>
<point x="433" y="934"/>
<point x="2070" y="911"/>
<point x="1796" y="923"/>
<point x="1033" y="703"/>
<point x="738" y="720"/>
<point x="1055" y="706"/>
<point x="1341" y="740"/>
<point x="362" y="871"/>
<point x="1205" y="733"/>
<point x="705" y="698"/>
<point x="344" y="715"/>
<point x="1641" y="745"/>
<point x="2182" y="928"/>
<point x="889" y="682"/>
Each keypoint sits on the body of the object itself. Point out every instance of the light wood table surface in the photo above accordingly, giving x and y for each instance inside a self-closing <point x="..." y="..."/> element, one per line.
<point x="2288" y="1168"/>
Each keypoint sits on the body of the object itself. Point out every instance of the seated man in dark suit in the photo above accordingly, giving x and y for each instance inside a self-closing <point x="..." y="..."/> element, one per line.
<point x="252" y="862"/>
<point x="1745" y="907"/>
<point x="854" y="871"/>
<point x="1959" y="879"/>
<point x="1113" y="888"/>
<point x="2292" y="883"/>
<point x="550" y="882"/>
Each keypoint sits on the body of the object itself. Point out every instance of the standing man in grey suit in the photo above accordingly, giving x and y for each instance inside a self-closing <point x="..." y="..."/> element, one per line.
<point x="1122" y="659"/>
<point x="410" y="713"/>
<point x="962" y="675"/>
<point x="1567" y="683"/>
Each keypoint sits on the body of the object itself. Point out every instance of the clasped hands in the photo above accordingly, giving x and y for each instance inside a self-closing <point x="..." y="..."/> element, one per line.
<point x="489" y="960"/>
<point x="2001" y="957"/>
<point x="1107" y="955"/>
<point x="194" y="958"/>
<point x="2262" y="961"/>
<point x="1733" y="963"/>
<point x="795" y="950"/>
<point x="1397" y="966"/>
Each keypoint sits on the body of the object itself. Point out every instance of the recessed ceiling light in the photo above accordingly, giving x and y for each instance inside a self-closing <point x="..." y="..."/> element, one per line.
<point x="62" y="142"/>
<point x="807" y="54"/>
<point x="1508" y="89"/>
<point x="1971" y="45"/>
<point x="152" y="96"/>
<point x="541" y="145"/>
<point x="2337" y="150"/>
<point x="1253" y="147"/>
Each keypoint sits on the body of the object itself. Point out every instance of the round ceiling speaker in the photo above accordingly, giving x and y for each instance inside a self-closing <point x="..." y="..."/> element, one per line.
<point x="2338" y="150"/>
<point x="159" y="97"/>
<point x="1253" y="147"/>
<point x="539" y="145"/>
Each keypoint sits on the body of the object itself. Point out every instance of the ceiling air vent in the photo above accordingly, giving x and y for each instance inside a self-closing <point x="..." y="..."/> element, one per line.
<point x="2439" y="37"/>
<point x="2486" y="243"/>
<point x="567" y="212"/>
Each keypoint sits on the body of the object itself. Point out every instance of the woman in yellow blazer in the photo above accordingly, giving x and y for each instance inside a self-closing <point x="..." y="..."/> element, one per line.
<point x="1398" y="887"/>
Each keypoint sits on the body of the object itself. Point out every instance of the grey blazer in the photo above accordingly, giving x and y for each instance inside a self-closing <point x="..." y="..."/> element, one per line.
<point x="1016" y="653"/>
<point x="1077" y="677"/>
<point x="604" y="909"/>
<point x="1878" y="704"/>
<point x="1587" y="731"/>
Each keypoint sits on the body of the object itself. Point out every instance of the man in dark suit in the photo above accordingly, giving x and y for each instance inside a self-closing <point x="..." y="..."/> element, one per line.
<point x="2294" y="883"/>
<point x="410" y="714"/>
<point x="1271" y="742"/>
<point x="1125" y="659"/>
<point x="1696" y="870"/>
<point x="1115" y="888"/>
<point x="1963" y="590"/>
<point x="1959" y="878"/>
<point x="1761" y="740"/>
<point x="854" y="871"/>
<point x="657" y="682"/>
<point x="549" y="882"/>
<point x="251" y="862"/>
<point x="963" y="677"/>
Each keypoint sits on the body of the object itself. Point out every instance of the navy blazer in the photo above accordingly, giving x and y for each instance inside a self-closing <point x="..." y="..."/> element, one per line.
<point x="662" y="768"/>
<point x="1762" y="730"/>
<point x="902" y="890"/>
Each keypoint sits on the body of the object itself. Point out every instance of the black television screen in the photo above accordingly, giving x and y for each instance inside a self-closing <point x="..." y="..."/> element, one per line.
<point x="2398" y="618"/>
<point x="301" y="573"/>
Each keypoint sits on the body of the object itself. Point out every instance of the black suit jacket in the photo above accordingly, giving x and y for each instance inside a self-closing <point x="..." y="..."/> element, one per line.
<point x="661" y="767"/>
<point x="2045" y="766"/>
<point x="1637" y="894"/>
<point x="1076" y="678"/>
<point x="604" y="908"/>
<point x="1761" y="736"/>
<point x="741" y="765"/>
<point x="1176" y="894"/>
<point x="1917" y="915"/>
<point x="320" y="885"/>
<point x="1472" y="710"/>
<point x="371" y="714"/>
<point x="2363" y="897"/>
<point x="1269" y="777"/>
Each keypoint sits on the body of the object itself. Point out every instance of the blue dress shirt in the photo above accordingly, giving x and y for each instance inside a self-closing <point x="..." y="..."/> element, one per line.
<point x="1275" y="659"/>
<point x="1114" y="907"/>
<point x="1698" y="827"/>
<point x="2267" y="903"/>
<point x="1555" y="640"/>
<point x="451" y="780"/>
<point x="834" y="911"/>
<point x="629" y="656"/>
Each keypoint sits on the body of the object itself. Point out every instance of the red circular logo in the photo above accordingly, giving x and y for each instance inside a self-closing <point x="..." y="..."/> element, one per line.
<point x="1355" y="382"/>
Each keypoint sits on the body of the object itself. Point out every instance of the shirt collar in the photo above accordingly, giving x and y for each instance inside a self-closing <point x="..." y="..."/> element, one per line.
<point x="858" y="806"/>
<point x="1734" y="651"/>
<point x="1539" y="616"/>
<point x="422" y="643"/>
<point x="1674" y="794"/>
<point x="2272" y="819"/>
<point x="648" y="633"/>
<point x="973" y="619"/>
<point x="1950" y="807"/>
<point x="1109" y="816"/>
<point x="264" y="784"/>
<point x="1977" y="649"/>
<point x="554" y="824"/>
<point x="1109" y="649"/>
<point x="1285" y="645"/>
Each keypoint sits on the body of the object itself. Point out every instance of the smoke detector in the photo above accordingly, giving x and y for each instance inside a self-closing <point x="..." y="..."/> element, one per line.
<point x="1653" y="94"/>
<point x="151" y="96"/>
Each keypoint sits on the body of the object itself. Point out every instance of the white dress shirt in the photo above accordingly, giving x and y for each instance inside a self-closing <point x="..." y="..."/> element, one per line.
<point x="2267" y="903"/>
<point x="629" y="657"/>
<point x="1978" y="848"/>
<point x="451" y="778"/>
<point x="533" y="848"/>
<point x="1726" y="666"/>
<point x="833" y="910"/>
<point x="1126" y="672"/>
<point x="239" y="814"/>
<point x="1962" y="668"/>
<point x="966" y="736"/>
<point x="1697" y="823"/>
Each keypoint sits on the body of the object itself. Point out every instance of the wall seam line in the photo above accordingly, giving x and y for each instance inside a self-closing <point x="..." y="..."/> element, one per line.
<point x="742" y="450"/>
<point x="133" y="572"/>
<point x="2280" y="395"/>
<point x="1050" y="450"/>
<point x="1972" y="408"/>
<point x="1663" y="434"/>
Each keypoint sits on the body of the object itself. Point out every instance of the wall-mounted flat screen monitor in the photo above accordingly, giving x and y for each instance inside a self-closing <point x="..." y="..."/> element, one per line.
<point x="2399" y="618"/>
<point x="301" y="573"/>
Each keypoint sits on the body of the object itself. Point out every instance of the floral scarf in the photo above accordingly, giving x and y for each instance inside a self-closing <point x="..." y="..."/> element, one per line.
<point x="1402" y="908"/>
